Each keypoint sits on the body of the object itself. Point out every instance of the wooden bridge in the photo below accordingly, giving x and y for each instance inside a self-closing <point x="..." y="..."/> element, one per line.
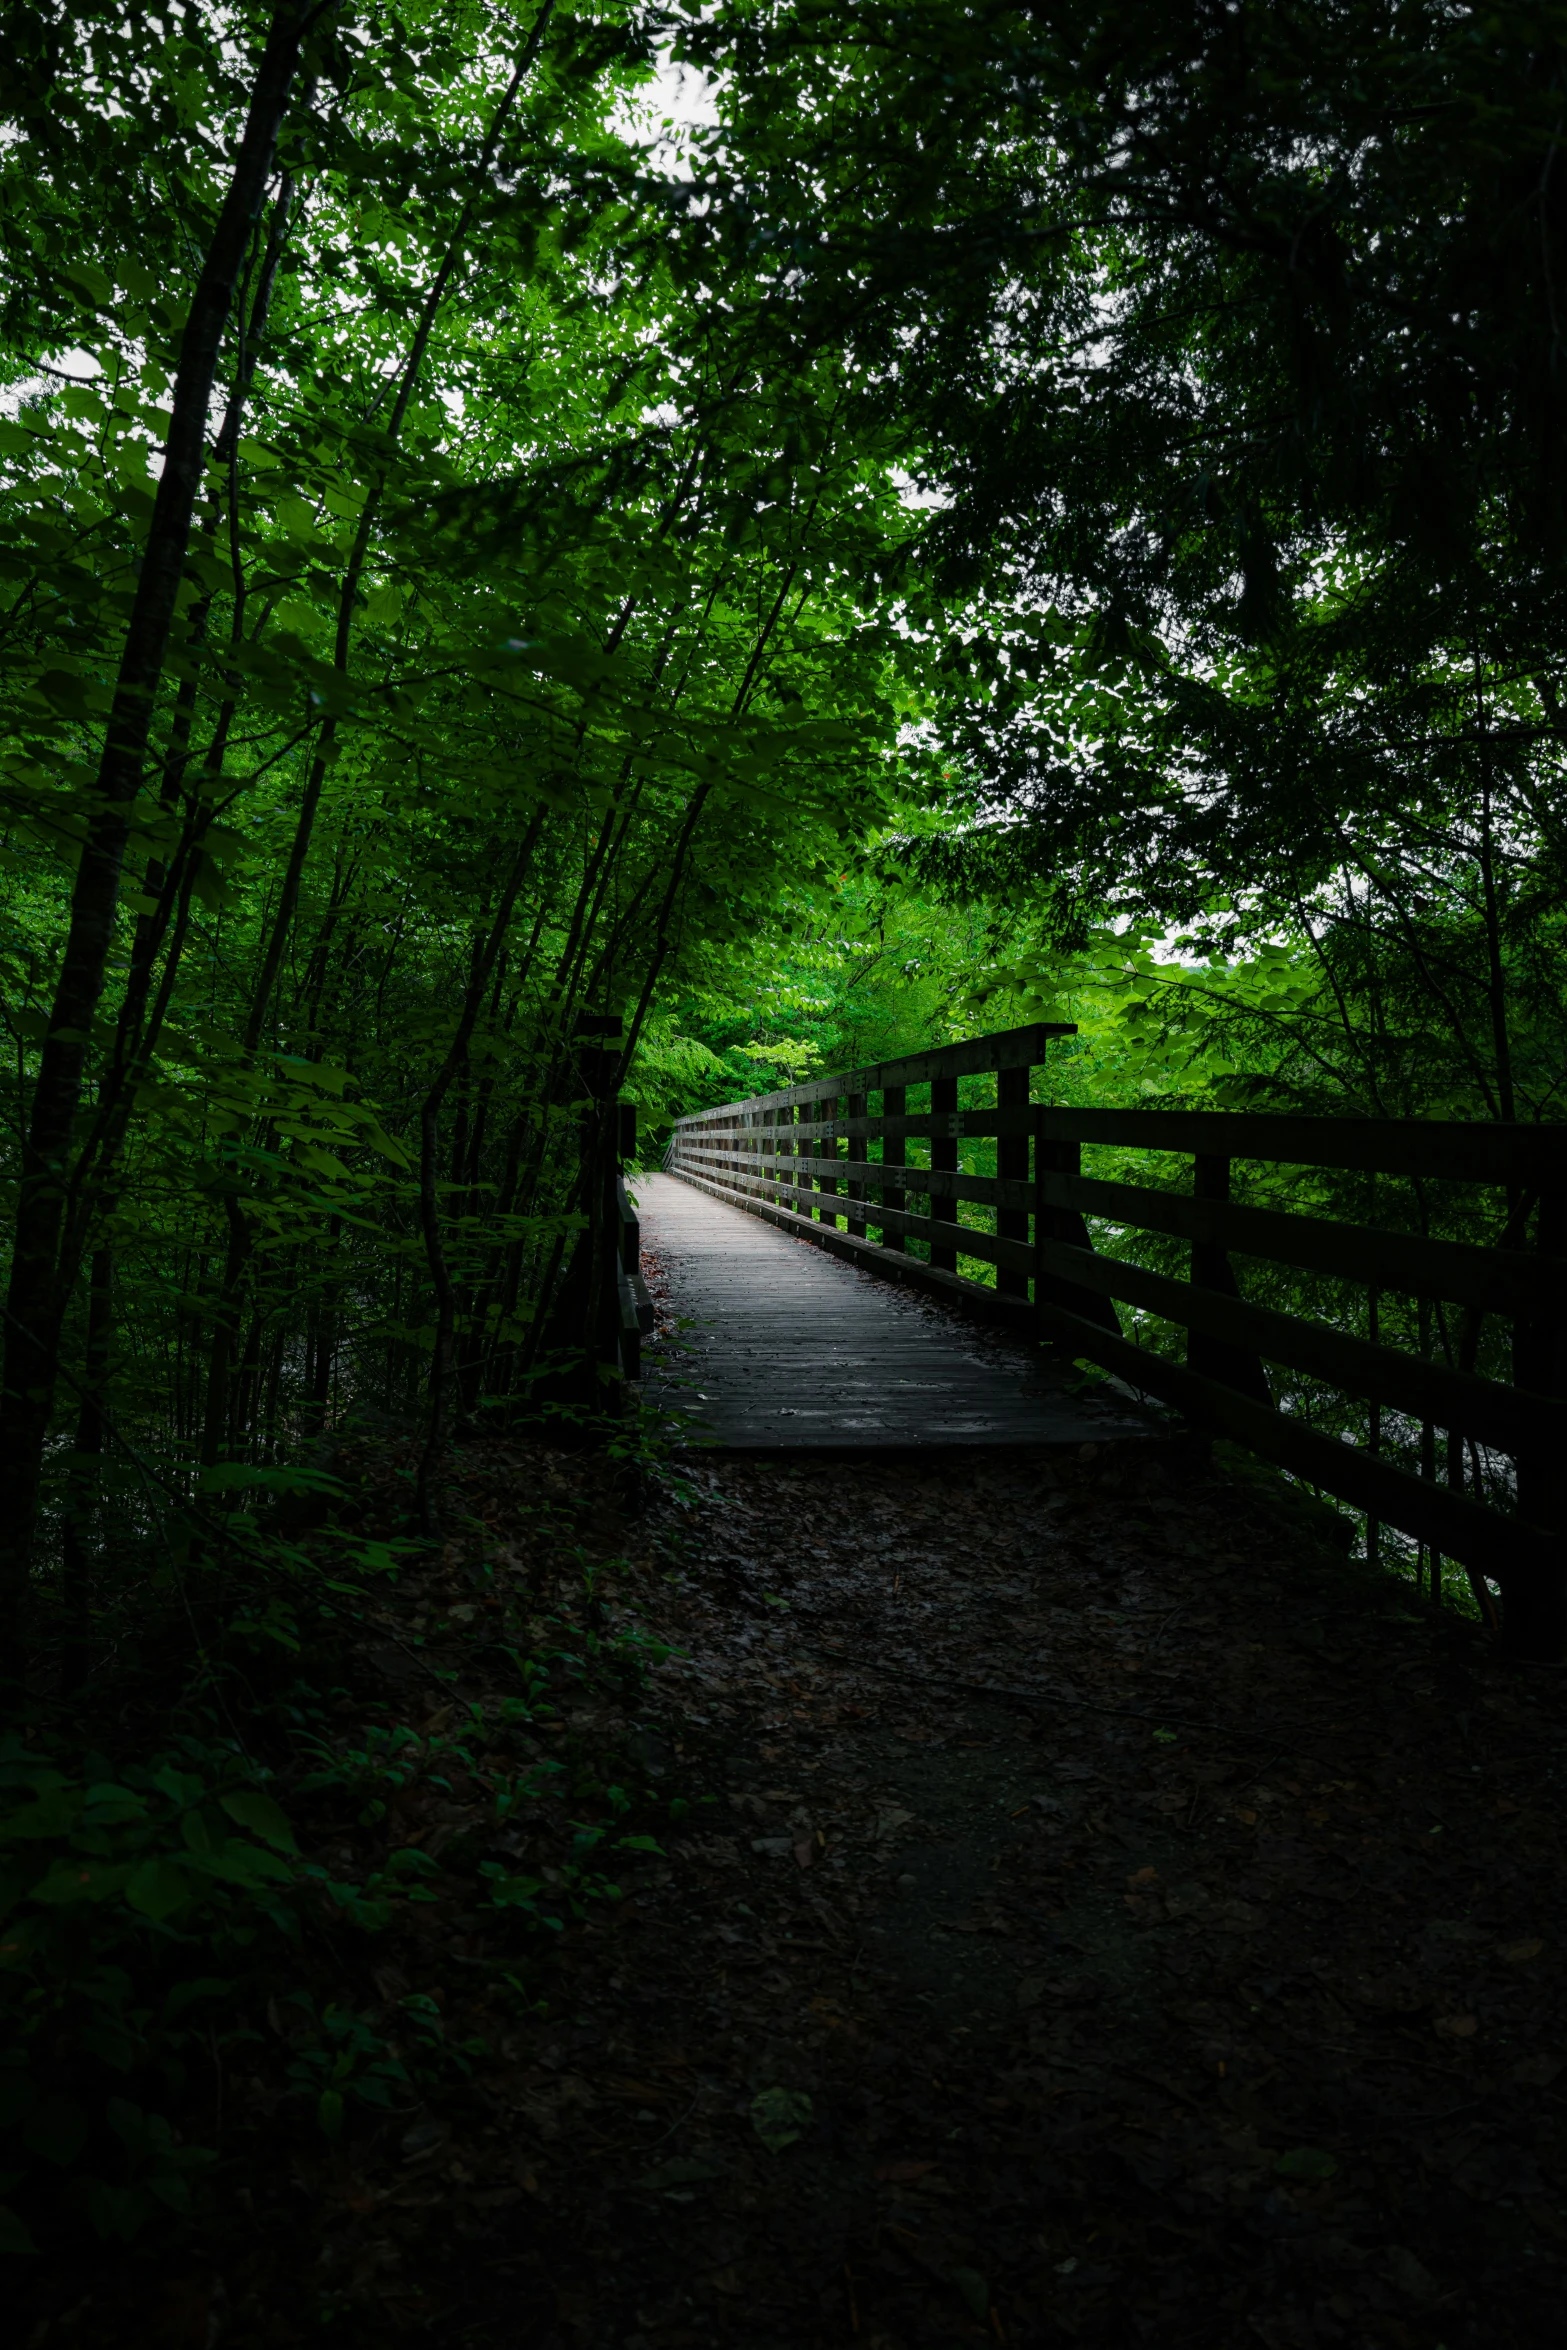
<point x="785" y="1350"/>
<point x="789" y="1349"/>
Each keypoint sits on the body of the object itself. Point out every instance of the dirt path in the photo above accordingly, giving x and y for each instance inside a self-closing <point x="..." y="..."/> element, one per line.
<point x="1059" y="1913"/>
<point x="1147" y="1931"/>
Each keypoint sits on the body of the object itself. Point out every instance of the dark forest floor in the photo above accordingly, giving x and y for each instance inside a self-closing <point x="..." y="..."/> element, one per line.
<point x="1142" y="1927"/>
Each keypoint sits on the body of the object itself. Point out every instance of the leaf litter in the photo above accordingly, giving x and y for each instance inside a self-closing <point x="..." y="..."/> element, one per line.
<point x="1033" y="1932"/>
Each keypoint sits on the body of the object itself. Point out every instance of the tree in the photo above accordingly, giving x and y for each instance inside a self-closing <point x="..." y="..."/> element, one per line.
<point x="514" y="656"/>
<point x="1226" y="339"/>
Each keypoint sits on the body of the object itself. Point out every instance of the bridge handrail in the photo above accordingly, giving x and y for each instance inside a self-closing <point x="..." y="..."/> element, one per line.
<point x="779" y="1154"/>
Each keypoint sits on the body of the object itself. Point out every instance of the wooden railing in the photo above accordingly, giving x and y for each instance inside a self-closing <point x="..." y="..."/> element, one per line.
<point x="802" y="1157"/>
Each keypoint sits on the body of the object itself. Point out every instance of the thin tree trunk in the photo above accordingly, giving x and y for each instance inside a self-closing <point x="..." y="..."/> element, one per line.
<point x="35" y="1305"/>
<point x="429" y="1143"/>
<point x="698" y="801"/>
<point x="288" y="898"/>
<point x="81" y="1530"/>
<point x="215" y="1420"/>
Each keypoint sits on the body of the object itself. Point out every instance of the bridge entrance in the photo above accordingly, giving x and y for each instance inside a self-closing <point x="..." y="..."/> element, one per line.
<point x="1379" y="1306"/>
<point x="786" y="1350"/>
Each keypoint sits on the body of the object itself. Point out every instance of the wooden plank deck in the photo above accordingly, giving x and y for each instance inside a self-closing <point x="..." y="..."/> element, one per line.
<point x="791" y="1349"/>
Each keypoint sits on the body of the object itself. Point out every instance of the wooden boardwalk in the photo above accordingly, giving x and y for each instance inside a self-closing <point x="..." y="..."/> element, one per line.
<point x="790" y="1349"/>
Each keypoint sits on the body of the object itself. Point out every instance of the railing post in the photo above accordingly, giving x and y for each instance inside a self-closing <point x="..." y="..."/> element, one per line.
<point x="1374" y="1422"/>
<point x="1067" y="1226"/>
<point x="858" y="1146"/>
<point x="1012" y="1089"/>
<point x="1215" y="1358"/>
<point x="826" y="1148"/>
<point x="1534" y="1605"/>
<point x="943" y="1158"/>
<point x="894" y="1153"/>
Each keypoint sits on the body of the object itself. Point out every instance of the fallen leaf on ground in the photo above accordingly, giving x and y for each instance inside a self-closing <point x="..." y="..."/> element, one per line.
<point x="975" y="2290"/>
<point x="1537" y="2072"/>
<point x="778" y="2116"/>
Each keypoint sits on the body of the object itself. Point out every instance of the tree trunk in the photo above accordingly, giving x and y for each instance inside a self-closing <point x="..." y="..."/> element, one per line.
<point x="83" y="1500"/>
<point x="34" y="1305"/>
<point x="429" y="1142"/>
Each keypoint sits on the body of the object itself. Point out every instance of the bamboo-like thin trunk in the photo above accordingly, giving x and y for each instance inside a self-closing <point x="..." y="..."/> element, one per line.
<point x="81" y="1531"/>
<point x="35" y="1304"/>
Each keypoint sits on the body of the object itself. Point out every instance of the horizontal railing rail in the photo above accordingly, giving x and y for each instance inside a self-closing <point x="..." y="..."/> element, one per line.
<point x="803" y="1157"/>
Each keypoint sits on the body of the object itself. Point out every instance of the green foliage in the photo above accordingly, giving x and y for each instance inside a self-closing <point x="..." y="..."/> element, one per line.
<point x="1225" y="345"/>
<point x="122" y="1891"/>
<point x="488" y="576"/>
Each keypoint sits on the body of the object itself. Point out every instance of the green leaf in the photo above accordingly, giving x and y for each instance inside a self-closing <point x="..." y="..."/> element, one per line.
<point x="237" y="1862"/>
<point x="183" y="1995"/>
<point x="56" y="2128"/>
<point x="683" y="2170"/>
<point x="158" y="1889"/>
<point x="246" y="1477"/>
<point x="975" y="2290"/>
<point x="410" y="1861"/>
<point x="778" y="2117"/>
<point x="109" y="1804"/>
<point x="262" y="1816"/>
<point x="118" y="2213"/>
<point x="14" y="2238"/>
<point x="64" y="691"/>
<point x="88" y="280"/>
<point x="1307" y="2162"/>
<point x="193" y="1828"/>
<point x="82" y="1880"/>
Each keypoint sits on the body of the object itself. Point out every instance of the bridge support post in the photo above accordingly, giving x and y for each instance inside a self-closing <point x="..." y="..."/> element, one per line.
<point x="894" y="1153"/>
<point x="1064" y="1224"/>
<point x="858" y="1147"/>
<point x="943" y="1158"/>
<point x="1012" y="1165"/>
<point x="826" y="1148"/>
<point x="1534" y="1602"/>
<point x="1232" y="1366"/>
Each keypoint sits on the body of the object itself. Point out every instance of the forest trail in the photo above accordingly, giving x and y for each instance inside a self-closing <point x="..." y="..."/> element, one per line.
<point x="1082" y="1910"/>
<point x="783" y="1347"/>
<point x="1103" y="1917"/>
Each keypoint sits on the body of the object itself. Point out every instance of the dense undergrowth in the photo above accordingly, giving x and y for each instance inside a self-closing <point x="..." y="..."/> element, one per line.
<point x="213" y="1860"/>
